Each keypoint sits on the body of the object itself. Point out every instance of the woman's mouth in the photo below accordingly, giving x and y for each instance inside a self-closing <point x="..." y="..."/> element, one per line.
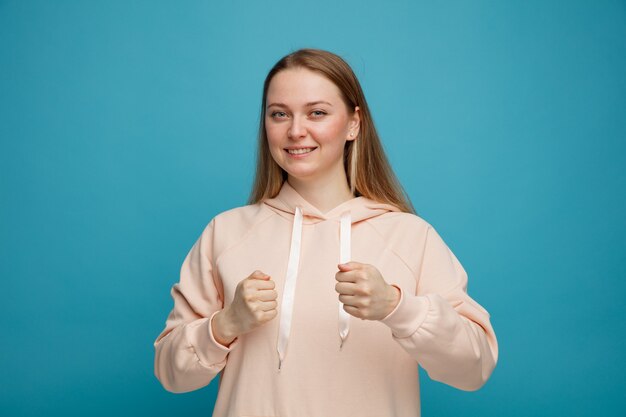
<point x="300" y="151"/>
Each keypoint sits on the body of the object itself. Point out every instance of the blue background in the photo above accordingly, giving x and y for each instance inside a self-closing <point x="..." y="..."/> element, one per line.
<point x="127" y="125"/>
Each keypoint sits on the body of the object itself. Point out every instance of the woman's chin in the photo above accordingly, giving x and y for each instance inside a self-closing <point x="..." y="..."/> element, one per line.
<point x="301" y="176"/>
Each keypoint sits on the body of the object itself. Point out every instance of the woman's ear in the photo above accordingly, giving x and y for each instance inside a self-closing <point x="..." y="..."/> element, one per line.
<point x="355" y="124"/>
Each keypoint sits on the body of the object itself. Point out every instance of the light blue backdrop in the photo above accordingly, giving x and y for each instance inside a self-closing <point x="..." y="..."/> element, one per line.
<point x="127" y="125"/>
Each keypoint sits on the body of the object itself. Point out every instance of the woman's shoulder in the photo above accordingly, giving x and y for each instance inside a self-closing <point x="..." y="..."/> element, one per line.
<point x="230" y="226"/>
<point x="246" y="214"/>
<point x="401" y="221"/>
<point x="239" y="220"/>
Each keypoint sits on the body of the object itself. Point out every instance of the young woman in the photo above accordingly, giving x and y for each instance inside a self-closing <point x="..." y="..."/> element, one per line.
<point x="322" y="296"/>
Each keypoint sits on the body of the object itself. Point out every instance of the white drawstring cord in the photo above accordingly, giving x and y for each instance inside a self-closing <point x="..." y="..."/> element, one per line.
<point x="344" y="256"/>
<point x="289" y="290"/>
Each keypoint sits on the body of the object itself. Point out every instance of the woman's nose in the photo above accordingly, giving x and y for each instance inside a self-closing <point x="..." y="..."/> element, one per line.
<point x="297" y="129"/>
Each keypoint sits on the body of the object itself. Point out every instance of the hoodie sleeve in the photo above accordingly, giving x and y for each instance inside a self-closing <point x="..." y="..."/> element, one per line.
<point x="187" y="356"/>
<point x="441" y="327"/>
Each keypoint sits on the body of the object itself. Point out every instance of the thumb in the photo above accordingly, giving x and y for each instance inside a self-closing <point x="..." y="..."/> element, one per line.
<point x="349" y="266"/>
<point x="259" y="275"/>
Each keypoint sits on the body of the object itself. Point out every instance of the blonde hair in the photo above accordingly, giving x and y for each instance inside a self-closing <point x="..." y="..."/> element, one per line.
<point x="367" y="168"/>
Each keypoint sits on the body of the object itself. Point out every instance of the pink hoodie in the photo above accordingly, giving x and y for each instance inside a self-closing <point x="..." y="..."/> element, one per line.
<point x="313" y="359"/>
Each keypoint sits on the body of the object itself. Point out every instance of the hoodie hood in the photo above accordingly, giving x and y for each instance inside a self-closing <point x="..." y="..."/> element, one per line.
<point x="291" y="205"/>
<point x="360" y="208"/>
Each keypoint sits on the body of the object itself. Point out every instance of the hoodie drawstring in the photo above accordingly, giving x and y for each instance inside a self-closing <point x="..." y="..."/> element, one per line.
<point x="289" y="290"/>
<point x="344" y="256"/>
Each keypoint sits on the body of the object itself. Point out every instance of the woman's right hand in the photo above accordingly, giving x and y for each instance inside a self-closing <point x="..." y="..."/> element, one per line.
<point x="254" y="304"/>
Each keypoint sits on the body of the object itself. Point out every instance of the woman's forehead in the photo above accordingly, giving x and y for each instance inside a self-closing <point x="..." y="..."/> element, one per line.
<point x="300" y="86"/>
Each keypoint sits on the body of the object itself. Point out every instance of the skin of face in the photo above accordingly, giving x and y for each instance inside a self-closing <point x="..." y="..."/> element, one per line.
<point x="304" y="109"/>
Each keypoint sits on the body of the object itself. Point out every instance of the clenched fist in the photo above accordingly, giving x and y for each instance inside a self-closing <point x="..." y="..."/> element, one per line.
<point x="254" y="304"/>
<point x="364" y="292"/>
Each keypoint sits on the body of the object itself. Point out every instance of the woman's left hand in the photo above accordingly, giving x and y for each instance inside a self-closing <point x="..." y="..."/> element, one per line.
<point x="364" y="292"/>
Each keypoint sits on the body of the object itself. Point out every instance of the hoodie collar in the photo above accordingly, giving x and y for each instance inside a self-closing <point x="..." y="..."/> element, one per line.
<point x="360" y="208"/>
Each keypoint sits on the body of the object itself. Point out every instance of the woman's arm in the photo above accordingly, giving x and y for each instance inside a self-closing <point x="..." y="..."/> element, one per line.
<point x="187" y="354"/>
<point x="441" y="327"/>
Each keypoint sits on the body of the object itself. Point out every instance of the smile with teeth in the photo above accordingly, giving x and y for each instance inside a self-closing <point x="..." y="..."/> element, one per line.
<point x="299" y="151"/>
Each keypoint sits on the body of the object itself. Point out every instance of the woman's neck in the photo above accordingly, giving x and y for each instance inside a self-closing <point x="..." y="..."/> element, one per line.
<point x="324" y="195"/>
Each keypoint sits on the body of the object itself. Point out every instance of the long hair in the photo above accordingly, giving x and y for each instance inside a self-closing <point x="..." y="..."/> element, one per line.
<point x="368" y="171"/>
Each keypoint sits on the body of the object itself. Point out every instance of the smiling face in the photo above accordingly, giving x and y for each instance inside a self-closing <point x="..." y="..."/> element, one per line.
<point x="307" y="125"/>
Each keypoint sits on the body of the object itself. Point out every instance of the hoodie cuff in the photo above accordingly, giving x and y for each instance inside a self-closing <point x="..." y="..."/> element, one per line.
<point x="409" y="314"/>
<point x="210" y="352"/>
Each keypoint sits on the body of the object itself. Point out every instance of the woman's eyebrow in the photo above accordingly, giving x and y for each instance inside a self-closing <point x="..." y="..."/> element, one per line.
<point x="312" y="103"/>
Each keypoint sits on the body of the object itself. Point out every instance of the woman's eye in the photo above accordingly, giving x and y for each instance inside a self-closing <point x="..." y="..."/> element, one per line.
<point x="318" y="113"/>
<point x="278" y="114"/>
